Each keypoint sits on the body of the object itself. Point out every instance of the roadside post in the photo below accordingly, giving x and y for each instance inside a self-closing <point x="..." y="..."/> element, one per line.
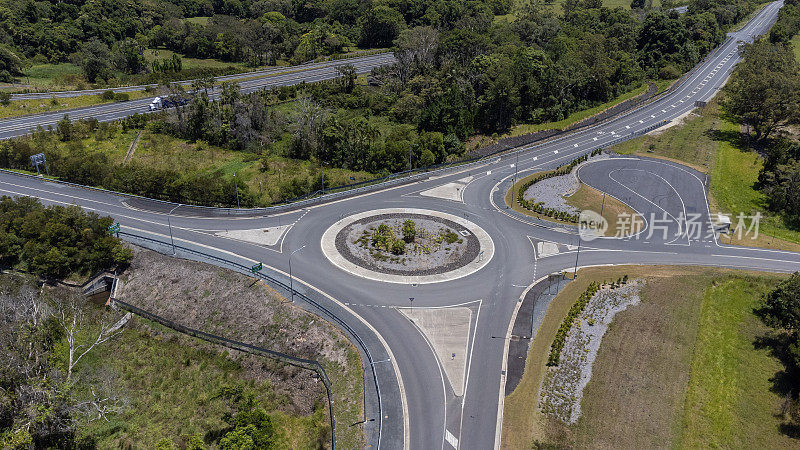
<point x="291" y="279"/>
<point x="114" y="229"/>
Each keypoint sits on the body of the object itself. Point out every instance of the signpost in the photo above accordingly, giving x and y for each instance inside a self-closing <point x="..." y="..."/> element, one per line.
<point x="114" y="229"/>
<point x="256" y="267"/>
<point x="37" y="159"/>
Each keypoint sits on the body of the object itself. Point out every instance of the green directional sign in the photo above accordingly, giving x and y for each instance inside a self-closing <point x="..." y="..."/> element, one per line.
<point x="256" y="268"/>
<point x="113" y="228"/>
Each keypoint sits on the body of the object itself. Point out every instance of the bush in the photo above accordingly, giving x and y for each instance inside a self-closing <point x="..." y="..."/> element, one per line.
<point x="122" y="97"/>
<point x="566" y="324"/>
<point x="399" y="247"/>
<point x="669" y="72"/>
<point x="409" y="230"/>
<point x="383" y="237"/>
<point x="107" y="95"/>
<point x="5" y="98"/>
<point x="450" y="237"/>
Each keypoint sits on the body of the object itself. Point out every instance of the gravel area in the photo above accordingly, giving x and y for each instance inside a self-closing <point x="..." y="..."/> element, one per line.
<point x="562" y="387"/>
<point x="553" y="191"/>
<point x="440" y="258"/>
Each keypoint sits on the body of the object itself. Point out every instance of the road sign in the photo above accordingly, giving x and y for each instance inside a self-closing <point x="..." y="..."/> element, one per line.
<point x="256" y="268"/>
<point x="113" y="228"/>
<point x="39" y="159"/>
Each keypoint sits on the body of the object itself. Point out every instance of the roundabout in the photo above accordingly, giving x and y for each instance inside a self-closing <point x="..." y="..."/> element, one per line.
<point x="407" y="245"/>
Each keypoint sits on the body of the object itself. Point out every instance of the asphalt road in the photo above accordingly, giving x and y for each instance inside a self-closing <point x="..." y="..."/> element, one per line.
<point x="379" y="57"/>
<point x="18" y="126"/>
<point x="419" y="408"/>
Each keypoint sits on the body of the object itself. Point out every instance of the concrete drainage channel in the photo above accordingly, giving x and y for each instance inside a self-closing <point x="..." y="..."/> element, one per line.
<point x="526" y="326"/>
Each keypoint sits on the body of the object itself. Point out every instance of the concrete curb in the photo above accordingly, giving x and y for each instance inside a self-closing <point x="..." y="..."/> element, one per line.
<point x="328" y="244"/>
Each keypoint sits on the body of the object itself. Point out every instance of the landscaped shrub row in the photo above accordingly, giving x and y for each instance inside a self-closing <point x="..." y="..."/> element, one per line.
<point x="538" y="207"/>
<point x="574" y="311"/>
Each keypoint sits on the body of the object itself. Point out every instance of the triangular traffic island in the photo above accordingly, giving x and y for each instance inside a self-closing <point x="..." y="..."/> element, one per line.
<point x="447" y="330"/>
<point x="261" y="236"/>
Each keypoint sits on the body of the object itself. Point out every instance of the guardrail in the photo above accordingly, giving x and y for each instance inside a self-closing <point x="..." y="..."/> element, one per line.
<point x="277" y="283"/>
<point x="308" y="364"/>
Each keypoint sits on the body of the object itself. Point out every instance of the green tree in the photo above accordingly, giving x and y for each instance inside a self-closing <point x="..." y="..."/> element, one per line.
<point x="764" y="91"/>
<point x="95" y="60"/>
<point x="780" y="308"/>
<point x="380" y="26"/>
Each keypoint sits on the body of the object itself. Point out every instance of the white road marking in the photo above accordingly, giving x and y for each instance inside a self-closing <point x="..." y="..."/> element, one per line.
<point x="448" y="436"/>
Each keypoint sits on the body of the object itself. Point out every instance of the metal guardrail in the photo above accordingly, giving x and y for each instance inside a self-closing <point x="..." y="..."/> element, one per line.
<point x="308" y="364"/>
<point x="286" y="287"/>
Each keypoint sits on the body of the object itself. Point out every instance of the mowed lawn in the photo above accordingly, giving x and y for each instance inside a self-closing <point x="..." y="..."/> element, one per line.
<point x="685" y="368"/>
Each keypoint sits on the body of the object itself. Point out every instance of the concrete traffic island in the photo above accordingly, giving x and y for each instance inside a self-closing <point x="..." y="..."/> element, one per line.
<point x="399" y="245"/>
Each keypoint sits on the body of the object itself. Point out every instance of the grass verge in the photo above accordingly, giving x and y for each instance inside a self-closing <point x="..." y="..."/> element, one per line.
<point x="682" y="369"/>
<point x="20" y="108"/>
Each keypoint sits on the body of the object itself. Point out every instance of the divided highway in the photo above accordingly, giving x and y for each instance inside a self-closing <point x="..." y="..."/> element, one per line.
<point x="247" y="82"/>
<point x="413" y="404"/>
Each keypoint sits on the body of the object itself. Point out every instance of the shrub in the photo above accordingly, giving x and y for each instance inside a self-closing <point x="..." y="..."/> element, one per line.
<point x="566" y="324"/>
<point x="5" y="98"/>
<point x="409" y="230"/>
<point x="383" y="237"/>
<point x="450" y="237"/>
<point x="107" y="95"/>
<point x="122" y="97"/>
<point x="399" y="247"/>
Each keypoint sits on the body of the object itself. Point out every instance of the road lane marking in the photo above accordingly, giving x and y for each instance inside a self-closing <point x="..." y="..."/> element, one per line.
<point x="448" y="436"/>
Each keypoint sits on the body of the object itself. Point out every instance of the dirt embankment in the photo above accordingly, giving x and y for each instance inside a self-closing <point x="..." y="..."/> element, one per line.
<point x="231" y="305"/>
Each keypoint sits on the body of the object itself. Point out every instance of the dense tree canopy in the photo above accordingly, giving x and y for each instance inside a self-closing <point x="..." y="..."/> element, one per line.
<point x="108" y="35"/>
<point x="763" y="91"/>
<point x="56" y="241"/>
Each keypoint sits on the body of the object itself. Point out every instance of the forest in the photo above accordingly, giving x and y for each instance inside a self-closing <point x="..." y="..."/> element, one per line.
<point x="103" y="36"/>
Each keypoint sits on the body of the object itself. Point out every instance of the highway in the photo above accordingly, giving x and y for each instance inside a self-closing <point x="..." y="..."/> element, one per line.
<point x="422" y="404"/>
<point x="286" y="76"/>
<point x="378" y="58"/>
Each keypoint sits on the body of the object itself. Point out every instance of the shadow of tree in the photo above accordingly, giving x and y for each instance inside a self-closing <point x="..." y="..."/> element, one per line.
<point x="786" y="382"/>
<point x="738" y="140"/>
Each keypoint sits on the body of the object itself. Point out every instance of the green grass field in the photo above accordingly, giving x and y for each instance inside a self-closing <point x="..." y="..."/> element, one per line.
<point x="193" y="63"/>
<point x="682" y="369"/>
<point x="263" y="175"/>
<point x="796" y="46"/>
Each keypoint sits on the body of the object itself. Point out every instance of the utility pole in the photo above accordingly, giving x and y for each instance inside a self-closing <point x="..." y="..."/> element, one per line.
<point x="169" y="223"/>
<point x="603" y="205"/>
<point x="575" y="276"/>
<point x="291" y="280"/>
